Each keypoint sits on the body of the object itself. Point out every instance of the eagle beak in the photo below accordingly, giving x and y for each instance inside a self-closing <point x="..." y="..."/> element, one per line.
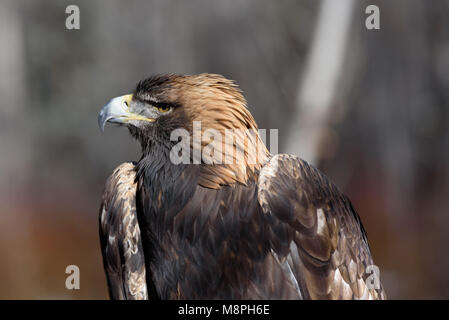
<point x="118" y="110"/>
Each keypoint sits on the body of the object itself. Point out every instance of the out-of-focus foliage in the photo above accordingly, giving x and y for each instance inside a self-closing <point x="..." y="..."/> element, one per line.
<point x="386" y="143"/>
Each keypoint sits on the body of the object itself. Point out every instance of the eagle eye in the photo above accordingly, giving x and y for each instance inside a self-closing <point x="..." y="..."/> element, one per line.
<point x="163" y="108"/>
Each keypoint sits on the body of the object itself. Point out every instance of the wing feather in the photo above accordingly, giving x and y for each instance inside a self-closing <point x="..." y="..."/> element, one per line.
<point x="316" y="231"/>
<point x="121" y="244"/>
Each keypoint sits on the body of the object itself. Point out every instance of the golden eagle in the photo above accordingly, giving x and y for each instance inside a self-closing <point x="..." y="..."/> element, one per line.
<point x="265" y="227"/>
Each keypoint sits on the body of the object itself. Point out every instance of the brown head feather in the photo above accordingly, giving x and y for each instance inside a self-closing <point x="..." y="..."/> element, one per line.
<point x="219" y="105"/>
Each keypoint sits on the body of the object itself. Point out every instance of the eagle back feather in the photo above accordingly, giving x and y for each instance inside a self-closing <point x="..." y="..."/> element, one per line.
<point x="315" y="233"/>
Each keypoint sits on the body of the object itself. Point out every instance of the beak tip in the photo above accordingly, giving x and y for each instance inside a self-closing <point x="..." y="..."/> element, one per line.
<point x="101" y="120"/>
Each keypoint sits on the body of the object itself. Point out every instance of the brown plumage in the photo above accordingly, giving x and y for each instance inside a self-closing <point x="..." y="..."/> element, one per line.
<point x="260" y="227"/>
<point x="120" y="236"/>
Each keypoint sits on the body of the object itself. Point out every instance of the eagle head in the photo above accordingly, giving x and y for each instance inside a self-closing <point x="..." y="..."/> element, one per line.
<point x="206" y="103"/>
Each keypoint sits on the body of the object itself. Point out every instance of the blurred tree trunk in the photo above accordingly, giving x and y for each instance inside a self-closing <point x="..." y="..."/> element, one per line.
<point x="319" y="81"/>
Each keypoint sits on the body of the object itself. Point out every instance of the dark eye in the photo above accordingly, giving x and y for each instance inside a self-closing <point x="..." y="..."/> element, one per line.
<point x="163" y="108"/>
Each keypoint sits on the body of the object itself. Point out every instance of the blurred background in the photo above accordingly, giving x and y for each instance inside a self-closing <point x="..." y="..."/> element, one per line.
<point x="370" y="108"/>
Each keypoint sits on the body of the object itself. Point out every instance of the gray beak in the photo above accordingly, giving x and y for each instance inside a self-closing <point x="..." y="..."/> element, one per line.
<point x="118" y="111"/>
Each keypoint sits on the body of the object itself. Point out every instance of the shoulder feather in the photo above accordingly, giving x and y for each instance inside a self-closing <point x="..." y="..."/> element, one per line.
<point x="121" y="244"/>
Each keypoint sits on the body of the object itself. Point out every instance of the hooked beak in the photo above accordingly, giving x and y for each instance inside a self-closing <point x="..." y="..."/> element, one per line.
<point x="118" y="110"/>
